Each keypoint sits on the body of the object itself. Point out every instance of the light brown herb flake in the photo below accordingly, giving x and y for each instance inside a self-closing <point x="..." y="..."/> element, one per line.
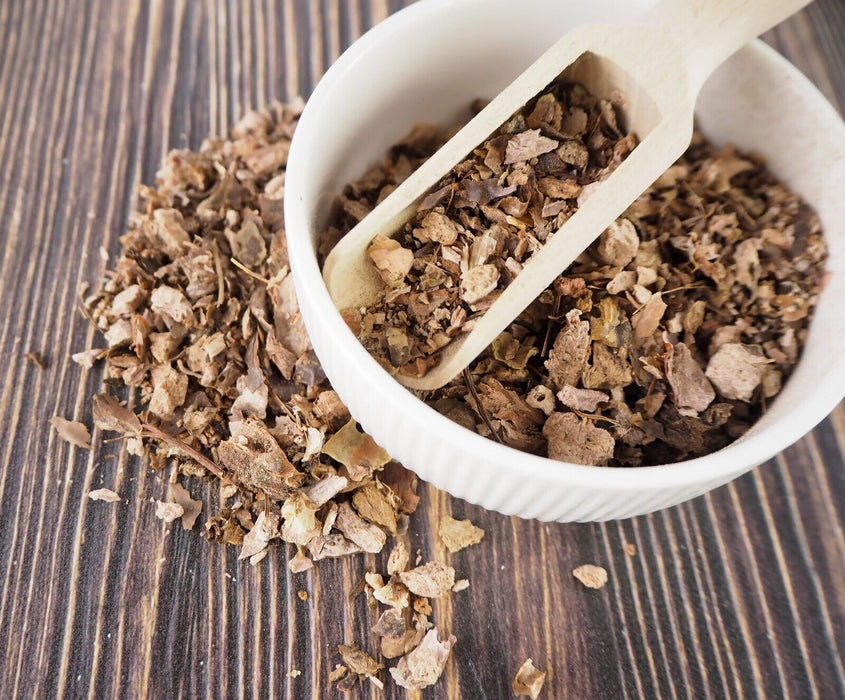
<point x="458" y="534"/>
<point x="424" y="665"/>
<point x="686" y="377"/>
<point x="430" y="580"/>
<point x="736" y="370"/>
<point x="357" y="451"/>
<point x="106" y="495"/>
<point x="168" y="512"/>
<point x="392" y="261"/>
<point x="190" y="508"/>
<point x="257" y="539"/>
<point x="367" y="536"/>
<point x="529" y="680"/>
<point x="71" y="431"/>
<point x="590" y="575"/>
<point x="359" y="661"/>
<point x="572" y="439"/>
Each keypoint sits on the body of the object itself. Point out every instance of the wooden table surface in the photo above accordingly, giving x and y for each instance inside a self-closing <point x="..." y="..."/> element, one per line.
<point x="740" y="593"/>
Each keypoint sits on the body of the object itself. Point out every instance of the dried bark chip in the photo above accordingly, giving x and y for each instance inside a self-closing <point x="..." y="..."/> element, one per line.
<point x="429" y="580"/>
<point x="647" y="319"/>
<point x="528" y="144"/>
<point x="71" y="431"/>
<point x="478" y="282"/>
<point x="541" y="397"/>
<point x="574" y="153"/>
<point x="529" y="680"/>
<point x="570" y="352"/>
<point x="686" y="377"/>
<point x="326" y="489"/>
<point x="458" y="534"/>
<point x="586" y="400"/>
<point x="377" y="503"/>
<point x="269" y="158"/>
<point x="558" y="188"/>
<point x="393" y="594"/>
<point x="367" y="536"/>
<point x="437" y="227"/>
<point x="331" y="546"/>
<point x="168" y="512"/>
<point x="391" y="624"/>
<point x="257" y="460"/>
<point x="248" y="244"/>
<point x="422" y="606"/>
<point x="611" y="326"/>
<point x="87" y="358"/>
<point x="168" y="226"/>
<point x="391" y="259"/>
<point x="575" y="121"/>
<point x="170" y="388"/>
<point x="106" y="495"/>
<point x="572" y="439"/>
<point x="424" y="665"/>
<point x="338" y="672"/>
<point x="357" y="451"/>
<point x="485" y="191"/>
<point x="257" y="539"/>
<point x="172" y="304"/>
<point x="399" y="558"/>
<point x="299" y="519"/>
<point x="618" y="243"/>
<point x="736" y="370"/>
<point x="190" y="508"/>
<point x="590" y="575"/>
<point x="359" y="661"/>
<point x="608" y="369"/>
<point x="300" y="562"/>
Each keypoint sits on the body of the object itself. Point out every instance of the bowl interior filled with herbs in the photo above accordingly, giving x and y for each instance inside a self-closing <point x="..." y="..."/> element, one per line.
<point x="695" y="339"/>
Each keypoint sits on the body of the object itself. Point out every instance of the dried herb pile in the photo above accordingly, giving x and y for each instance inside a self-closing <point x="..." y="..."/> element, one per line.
<point x="200" y="315"/>
<point x="665" y="340"/>
<point x="471" y="236"/>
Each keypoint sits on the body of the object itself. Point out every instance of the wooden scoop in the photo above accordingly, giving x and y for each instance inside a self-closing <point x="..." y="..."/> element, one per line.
<point x="658" y="66"/>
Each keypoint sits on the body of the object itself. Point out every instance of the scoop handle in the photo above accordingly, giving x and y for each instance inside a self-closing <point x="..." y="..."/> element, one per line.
<point x="708" y="31"/>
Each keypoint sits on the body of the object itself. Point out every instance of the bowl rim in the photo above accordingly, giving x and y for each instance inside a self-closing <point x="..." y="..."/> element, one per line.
<point x="737" y="457"/>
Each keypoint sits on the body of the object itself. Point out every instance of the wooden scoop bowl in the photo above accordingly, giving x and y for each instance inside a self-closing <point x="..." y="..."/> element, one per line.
<point x="658" y="66"/>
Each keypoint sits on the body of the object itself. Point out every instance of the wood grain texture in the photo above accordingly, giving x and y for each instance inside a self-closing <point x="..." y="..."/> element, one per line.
<point x="737" y="594"/>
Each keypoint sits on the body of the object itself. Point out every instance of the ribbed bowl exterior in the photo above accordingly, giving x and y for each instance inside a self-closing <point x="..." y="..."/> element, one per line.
<point x="455" y="466"/>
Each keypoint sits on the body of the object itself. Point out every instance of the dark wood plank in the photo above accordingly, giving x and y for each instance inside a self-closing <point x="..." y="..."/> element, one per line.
<point x="740" y="593"/>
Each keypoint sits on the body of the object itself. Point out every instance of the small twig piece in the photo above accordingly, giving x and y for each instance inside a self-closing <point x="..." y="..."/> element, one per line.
<point x="244" y="268"/>
<point x="183" y="447"/>
<point x="481" y="410"/>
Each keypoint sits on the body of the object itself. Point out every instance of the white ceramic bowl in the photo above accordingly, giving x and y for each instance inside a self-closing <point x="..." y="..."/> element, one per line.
<point x="424" y="64"/>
